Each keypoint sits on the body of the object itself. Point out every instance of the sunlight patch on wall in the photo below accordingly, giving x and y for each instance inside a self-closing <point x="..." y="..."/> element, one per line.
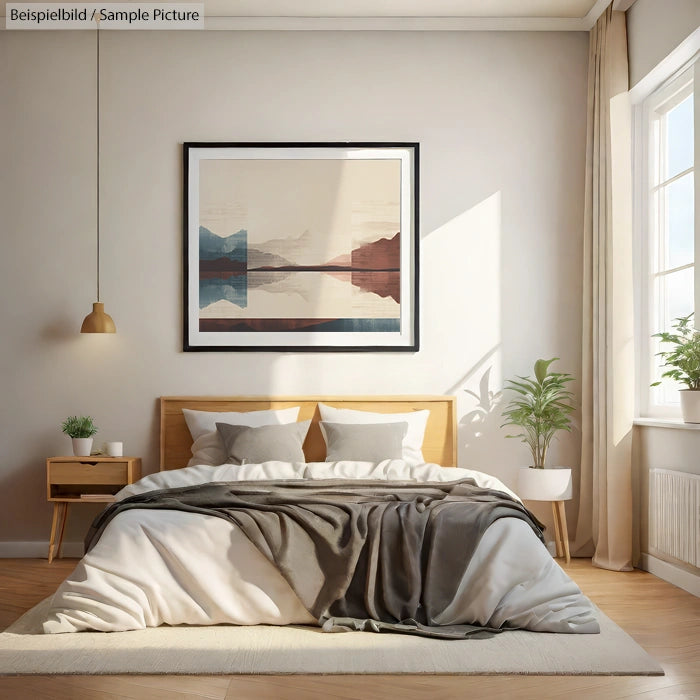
<point x="461" y="272"/>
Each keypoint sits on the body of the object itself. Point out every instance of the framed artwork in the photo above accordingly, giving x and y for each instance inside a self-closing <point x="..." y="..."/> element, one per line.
<point x="301" y="247"/>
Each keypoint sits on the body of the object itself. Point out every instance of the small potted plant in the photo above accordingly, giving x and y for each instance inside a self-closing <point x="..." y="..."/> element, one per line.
<point x="683" y="361"/>
<point x="541" y="407"/>
<point x="80" y="429"/>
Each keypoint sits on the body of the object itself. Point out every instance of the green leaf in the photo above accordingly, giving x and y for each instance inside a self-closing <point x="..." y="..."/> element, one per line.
<point x="541" y="367"/>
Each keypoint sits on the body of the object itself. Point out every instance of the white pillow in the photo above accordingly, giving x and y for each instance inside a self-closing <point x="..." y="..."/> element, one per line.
<point x="208" y="447"/>
<point x="413" y="441"/>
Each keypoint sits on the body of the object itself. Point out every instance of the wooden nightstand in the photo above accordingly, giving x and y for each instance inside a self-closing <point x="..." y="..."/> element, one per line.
<point x="84" y="480"/>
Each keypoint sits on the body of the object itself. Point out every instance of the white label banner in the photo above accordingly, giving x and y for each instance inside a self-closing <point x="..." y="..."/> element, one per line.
<point x="111" y="15"/>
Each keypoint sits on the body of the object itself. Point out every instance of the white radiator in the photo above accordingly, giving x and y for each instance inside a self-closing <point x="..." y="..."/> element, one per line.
<point x="674" y="514"/>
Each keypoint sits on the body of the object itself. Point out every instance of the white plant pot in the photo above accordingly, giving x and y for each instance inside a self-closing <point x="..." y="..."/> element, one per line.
<point x="82" y="447"/>
<point x="690" y="405"/>
<point x="545" y="484"/>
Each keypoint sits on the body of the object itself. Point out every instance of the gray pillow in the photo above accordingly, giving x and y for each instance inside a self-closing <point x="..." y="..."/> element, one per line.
<point x="246" y="445"/>
<point x="363" y="442"/>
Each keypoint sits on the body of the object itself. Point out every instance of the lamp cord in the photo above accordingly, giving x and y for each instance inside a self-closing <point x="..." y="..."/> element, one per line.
<point x="98" y="158"/>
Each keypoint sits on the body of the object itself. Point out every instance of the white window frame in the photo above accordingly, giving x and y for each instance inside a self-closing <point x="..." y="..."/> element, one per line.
<point x="646" y="113"/>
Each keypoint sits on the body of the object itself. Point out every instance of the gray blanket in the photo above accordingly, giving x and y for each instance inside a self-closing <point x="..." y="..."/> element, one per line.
<point x="371" y="555"/>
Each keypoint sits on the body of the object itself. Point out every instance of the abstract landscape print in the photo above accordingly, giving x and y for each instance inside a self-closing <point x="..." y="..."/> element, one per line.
<point x="301" y="246"/>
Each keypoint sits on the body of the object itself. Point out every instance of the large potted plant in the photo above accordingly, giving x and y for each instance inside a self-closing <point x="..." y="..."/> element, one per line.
<point x="80" y="429"/>
<point x="683" y="361"/>
<point x="541" y="407"/>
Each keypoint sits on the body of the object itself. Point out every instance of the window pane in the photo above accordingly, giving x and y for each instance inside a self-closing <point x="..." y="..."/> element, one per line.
<point x="679" y="216"/>
<point x="675" y="294"/>
<point x="676" y="291"/>
<point x="679" y="138"/>
<point x="667" y="393"/>
<point x="668" y="201"/>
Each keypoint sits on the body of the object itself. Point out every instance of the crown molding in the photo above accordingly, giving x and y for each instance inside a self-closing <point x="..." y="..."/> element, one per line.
<point x="399" y="24"/>
<point x="594" y="13"/>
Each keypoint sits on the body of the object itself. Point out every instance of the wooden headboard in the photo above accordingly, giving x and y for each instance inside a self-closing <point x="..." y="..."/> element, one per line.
<point x="439" y="444"/>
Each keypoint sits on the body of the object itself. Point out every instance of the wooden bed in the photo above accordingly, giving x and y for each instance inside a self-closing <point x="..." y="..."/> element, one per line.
<point x="258" y="557"/>
<point x="439" y="444"/>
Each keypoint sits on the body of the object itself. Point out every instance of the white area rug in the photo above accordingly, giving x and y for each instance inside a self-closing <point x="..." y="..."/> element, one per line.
<point x="265" y="649"/>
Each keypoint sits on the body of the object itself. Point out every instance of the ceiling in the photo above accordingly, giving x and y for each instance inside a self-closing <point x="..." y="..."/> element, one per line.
<point x="396" y="14"/>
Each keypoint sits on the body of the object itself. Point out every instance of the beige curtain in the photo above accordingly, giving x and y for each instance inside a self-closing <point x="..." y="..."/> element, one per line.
<point x="604" y="526"/>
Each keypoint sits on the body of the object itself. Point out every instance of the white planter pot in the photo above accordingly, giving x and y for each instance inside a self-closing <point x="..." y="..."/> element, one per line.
<point x="544" y="484"/>
<point x="82" y="447"/>
<point x="690" y="405"/>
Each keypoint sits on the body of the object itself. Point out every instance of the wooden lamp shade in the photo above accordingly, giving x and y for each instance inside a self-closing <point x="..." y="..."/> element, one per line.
<point x="97" y="321"/>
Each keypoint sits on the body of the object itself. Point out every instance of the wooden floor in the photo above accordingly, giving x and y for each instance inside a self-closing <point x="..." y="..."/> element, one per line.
<point x="662" y="618"/>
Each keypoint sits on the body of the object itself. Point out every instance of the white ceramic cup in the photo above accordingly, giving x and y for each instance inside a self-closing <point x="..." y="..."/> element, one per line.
<point x="115" y="449"/>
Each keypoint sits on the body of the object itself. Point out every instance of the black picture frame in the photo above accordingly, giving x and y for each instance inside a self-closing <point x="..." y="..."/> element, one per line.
<point x="294" y="247"/>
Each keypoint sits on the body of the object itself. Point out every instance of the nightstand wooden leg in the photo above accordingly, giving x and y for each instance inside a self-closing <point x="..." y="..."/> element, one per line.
<point x="564" y="530"/>
<point x="64" y="517"/>
<point x="54" y="524"/>
<point x="557" y="530"/>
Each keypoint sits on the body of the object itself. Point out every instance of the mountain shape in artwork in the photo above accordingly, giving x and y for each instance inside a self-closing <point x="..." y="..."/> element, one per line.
<point x="260" y="258"/>
<point x="384" y="254"/>
<point x="222" y="255"/>
<point x="341" y="261"/>
<point x="232" y="289"/>
<point x="381" y="255"/>
<point x="233" y="247"/>
<point x="288" y="248"/>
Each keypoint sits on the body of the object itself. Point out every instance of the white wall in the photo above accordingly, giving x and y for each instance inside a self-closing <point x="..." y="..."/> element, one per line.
<point x="664" y="448"/>
<point x="654" y="29"/>
<point x="500" y="118"/>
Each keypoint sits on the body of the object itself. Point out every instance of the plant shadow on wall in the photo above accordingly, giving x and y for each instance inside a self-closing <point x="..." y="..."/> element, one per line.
<point x="479" y="425"/>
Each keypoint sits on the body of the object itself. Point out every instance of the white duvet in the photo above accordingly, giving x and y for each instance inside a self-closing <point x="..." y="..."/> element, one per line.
<point x="154" y="567"/>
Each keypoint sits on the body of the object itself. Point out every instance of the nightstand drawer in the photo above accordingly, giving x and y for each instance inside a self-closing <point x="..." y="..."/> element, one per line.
<point x="82" y="473"/>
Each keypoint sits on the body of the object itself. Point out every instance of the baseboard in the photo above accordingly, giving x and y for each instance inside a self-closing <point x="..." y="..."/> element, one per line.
<point x="37" y="550"/>
<point x="669" y="572"/>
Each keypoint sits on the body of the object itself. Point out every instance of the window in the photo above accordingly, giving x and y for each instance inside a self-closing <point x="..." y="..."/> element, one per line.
<point x="668" y="217"/>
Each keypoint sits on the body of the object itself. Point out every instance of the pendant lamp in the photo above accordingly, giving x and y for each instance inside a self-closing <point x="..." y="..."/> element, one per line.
<point x="98" y="321"/>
